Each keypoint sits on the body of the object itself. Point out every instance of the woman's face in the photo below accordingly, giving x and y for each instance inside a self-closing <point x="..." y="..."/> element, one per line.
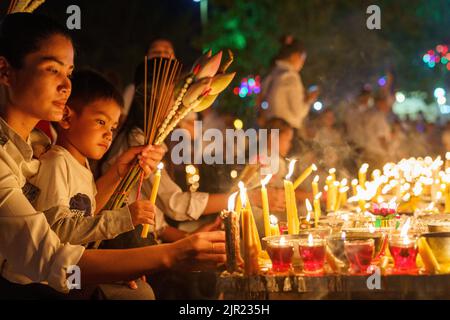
<point x="41" y="87"/>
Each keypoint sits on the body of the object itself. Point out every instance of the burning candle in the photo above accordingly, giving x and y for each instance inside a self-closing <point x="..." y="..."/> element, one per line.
<point x="309" y="212"/>
<point x="274" y="228"/>
<point x="315" y="186"/>
<point x="362" y="175"/>
<point x="305" y="174"/>
<point x="153" y="195"/>
<point x="265" y="204"/>
<point x="250" y="248"/>
<point x="354" y="185"/>
<point x="403" y="249"/>
<point x="231" y="223"/>
<point x="332" y="174"/>
<point x="291" y="204"/>
<point x="312" y="252"/>
<point x="280" y="252"/>
<point x="317" y="209"/>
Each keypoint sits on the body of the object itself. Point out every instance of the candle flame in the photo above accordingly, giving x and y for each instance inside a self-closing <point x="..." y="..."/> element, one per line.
<point x="447" y="156"/>
<point x="266" y="180"/>
<point x="318" y="196"/>
<point x="310" y="240"/>
<point x="308" y="216"/>
<point x="354" y="182"/>
<point x="273" y="220"/>
<point x="364" y="168"/>
<point x="282" y="240"/>
<point x="160" y="166"/>
<point x="314" y="167"/>
<point x="291" y="169"/>
<point x="232" y="201"/>
<point x="332" y="171"/>
<point x="344" y="182"/>
<point x="343" y="235"/>
<point x="404" y="231"/>
<point x="308" y="205"/>
<point x="316" y="179"/>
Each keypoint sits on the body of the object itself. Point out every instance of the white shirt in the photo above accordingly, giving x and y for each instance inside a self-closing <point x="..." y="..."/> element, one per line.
<point x="64" y="182"/>
<point x="284" y="92"/>
<point x="376" y="128"/>
<point x="29" y="250"/>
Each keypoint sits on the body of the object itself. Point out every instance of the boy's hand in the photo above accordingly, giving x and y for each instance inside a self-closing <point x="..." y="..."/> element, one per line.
<point x="142" y="212"/>
<point x="149" y="157"/>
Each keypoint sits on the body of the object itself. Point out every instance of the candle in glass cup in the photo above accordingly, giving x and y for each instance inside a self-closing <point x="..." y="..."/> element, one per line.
<point x="359" y="254"/>
<point x="403" y="249"/>
<point x="404" y="252"/>
<point x="280" y="252"/>
<point x="312" y="251"/>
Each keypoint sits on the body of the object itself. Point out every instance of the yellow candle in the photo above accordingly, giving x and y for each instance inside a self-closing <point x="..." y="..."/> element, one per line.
<point x="309" y="211"/>
<point x="362" y="175"/>
<point x="265" y="205"/>
<point x="354" y="184"/>
<point x="274" y="229"/>
<point x="361" y="199"/>
<point x="447" y="199"/>
<point x="291" y="206"/>
<point x="334" y="195"/>
<point x="304" y="175"/>
<point x="332" y="173"/>
<point x="317" y="210"/>
<point x="315" y="186"/>
<point x="153" y="195"/>
<point x="329" y="183"/>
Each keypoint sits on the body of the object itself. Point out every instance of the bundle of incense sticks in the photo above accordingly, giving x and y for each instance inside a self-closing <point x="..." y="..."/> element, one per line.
<point x="24" y="5"/>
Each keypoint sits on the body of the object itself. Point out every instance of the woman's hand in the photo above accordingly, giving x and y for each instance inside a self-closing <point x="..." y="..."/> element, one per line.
<point x="200" y="251"/>
<point x="149" y="157"/>
<point x="213" y="226"/>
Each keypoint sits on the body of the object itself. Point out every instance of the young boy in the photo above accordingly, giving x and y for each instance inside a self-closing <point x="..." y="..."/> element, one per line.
<point x="65" y="179"/>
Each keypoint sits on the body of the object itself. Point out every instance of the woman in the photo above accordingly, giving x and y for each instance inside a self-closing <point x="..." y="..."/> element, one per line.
<point x="283" y="89"/>
<point x="36" y="61"/>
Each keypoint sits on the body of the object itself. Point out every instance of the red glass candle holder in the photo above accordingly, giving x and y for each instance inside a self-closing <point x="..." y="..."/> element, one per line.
<point x="312" y="252"/>
<point x="280" y="252"/>
<point x="404" y="252"/>
<point x="359" y="254"/>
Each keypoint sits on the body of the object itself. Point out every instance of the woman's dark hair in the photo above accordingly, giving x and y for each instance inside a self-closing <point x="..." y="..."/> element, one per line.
<point x="89" y="86"/>
<point x="289" y="46"/>
<point x="22" y="34"/>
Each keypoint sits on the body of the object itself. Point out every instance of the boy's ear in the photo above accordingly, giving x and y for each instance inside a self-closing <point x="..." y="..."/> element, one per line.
<point x="5" y="71"/>
<point x="67" y="118"/>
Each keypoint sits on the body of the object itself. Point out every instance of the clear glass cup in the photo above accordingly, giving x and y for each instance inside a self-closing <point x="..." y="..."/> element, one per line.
<point x="312" y="251"/>
<point x="280" y="253"/>
<point x="359" y="253"/>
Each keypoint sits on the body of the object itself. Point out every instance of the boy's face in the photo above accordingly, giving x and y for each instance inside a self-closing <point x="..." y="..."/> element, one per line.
<point x="41" y="87"/>
<point x="91" y="131"/>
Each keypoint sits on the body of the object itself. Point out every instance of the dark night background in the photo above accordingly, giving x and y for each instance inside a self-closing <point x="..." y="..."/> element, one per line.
<point x="342" y="53"/>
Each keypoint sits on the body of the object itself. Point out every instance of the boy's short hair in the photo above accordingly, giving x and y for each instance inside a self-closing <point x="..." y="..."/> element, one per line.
<point x="89" y="86"/>
<point x="278" y="123"/>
